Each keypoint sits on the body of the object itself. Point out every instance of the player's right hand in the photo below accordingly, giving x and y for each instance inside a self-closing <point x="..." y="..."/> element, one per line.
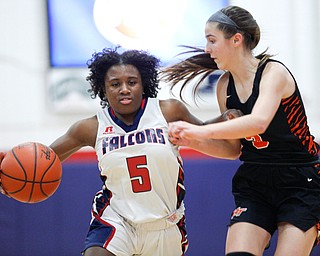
<point x="231" y="114"/>
<point x="2" y="154"/>
<point x="2" y="191"/>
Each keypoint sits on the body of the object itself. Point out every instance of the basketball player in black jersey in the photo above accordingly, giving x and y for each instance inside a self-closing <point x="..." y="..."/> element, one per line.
<point x="277" y="187"/>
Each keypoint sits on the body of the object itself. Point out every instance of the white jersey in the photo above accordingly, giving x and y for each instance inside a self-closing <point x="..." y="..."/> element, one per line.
<point x="142" y="168"/>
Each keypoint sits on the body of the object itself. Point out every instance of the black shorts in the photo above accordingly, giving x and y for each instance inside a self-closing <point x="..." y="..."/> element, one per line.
<point x="266" y="195"/>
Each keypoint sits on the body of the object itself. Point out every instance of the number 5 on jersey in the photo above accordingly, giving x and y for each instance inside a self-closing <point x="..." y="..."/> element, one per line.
<point x="139" y="174"/>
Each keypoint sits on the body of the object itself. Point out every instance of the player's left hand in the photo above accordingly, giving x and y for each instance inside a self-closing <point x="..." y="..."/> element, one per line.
<point x="178" y="141"/>
<point x="181" y="133"/>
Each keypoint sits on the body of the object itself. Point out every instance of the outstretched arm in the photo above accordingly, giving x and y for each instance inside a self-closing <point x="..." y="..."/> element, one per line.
<point x="276" y="84"/>
<point x="174" y="110"/>
<point x="81" y="134"/>
<point x="220" y="148"/>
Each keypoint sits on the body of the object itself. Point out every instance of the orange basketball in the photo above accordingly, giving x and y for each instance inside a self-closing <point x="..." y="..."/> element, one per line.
<point x="30" y="172"/>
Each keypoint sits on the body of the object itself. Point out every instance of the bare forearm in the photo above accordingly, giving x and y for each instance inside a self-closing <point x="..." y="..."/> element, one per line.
<point x="226" y="149"/>
<point x="215" y="120"/>
<point x="233" y="129"/>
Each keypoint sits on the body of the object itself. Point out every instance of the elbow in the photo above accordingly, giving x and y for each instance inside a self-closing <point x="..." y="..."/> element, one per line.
<point x="234" y="150"/>
<point x="260" y="126"/>
<point x="260" y="130"/>
<point x="233" y="156"/>
<point x="227" y="156"/>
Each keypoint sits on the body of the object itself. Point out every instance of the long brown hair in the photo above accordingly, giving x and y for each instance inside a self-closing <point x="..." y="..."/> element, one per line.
<point x="201" y="64"/>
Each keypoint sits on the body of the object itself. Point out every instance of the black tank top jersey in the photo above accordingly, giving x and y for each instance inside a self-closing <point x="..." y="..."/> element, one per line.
<point x="287" y="140"/>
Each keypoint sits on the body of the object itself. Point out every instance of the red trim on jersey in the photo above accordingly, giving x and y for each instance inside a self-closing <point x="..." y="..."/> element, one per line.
<point x="143" y="103"/>
<point x="106" y="243"/>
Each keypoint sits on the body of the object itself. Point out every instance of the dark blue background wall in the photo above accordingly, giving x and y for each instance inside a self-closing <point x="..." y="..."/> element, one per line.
<point x="59" y="225"/>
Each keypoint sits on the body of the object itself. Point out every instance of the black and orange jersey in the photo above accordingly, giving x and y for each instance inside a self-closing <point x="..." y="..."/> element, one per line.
<point x="287" y="140"/>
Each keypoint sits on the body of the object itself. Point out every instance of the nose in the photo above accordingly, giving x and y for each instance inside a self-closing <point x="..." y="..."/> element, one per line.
<point x="124" y="89"/>
<point x="207" y="49"/>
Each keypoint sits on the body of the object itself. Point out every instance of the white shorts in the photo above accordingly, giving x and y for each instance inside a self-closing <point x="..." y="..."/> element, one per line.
<point x="124" y="238"/>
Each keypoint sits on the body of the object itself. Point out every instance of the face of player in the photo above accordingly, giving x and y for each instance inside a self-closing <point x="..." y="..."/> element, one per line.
<point x="219" y="48"/>
<point x="123" y="86"/>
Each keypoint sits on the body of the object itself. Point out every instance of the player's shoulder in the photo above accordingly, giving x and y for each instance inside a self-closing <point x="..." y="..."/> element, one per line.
<point x="87" y="129"/>
<point x="173" y="109"/>
<point x="92" y="120"/>
<point x="86" y="124"/>
<point x="277" y="71"/>
<point x="171" y="105"/>
<point x="170" y="102"/>
<point x="275" y="67"/>
<point x="223" y="82"/>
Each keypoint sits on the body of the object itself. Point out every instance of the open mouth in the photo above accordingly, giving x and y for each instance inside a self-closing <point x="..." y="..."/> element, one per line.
<point x="125" y="101"/>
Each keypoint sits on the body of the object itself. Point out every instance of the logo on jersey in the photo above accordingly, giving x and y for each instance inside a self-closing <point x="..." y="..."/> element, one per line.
<point x="111" y="143"/>
<point x="173" y="218"/>
<point x="237" y="212"/>
<point x="109" y="130"/>
<point x="257" y="141"/>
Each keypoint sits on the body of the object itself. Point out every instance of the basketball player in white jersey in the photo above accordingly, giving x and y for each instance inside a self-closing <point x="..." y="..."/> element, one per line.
<point x="140" y="209"/>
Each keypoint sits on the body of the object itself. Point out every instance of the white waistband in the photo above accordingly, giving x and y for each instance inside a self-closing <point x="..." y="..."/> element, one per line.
<point x="160" y="224"/>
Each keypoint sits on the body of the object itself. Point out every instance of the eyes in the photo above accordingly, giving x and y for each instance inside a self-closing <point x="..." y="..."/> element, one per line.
<point x="211" y="40"/>
<point x="118" y="83"/>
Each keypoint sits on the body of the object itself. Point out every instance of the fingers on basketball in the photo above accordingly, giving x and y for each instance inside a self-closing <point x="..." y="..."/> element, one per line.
<point x="30" y="172"/>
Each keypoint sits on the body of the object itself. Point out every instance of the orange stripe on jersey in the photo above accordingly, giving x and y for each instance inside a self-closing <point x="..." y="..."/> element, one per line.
<point x="297" y="121"/>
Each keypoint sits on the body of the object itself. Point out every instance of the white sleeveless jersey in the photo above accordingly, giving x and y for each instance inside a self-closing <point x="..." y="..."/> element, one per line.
<point x="142" y="168"/>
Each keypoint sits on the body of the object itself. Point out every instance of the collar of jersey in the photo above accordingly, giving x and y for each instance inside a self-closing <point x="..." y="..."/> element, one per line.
<point x="134" y="126"/>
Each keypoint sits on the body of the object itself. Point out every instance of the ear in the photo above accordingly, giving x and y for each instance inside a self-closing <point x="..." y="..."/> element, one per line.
<point x="237" y="39"/>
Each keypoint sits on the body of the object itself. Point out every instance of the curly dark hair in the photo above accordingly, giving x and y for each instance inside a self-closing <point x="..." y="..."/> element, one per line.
<point x="100" y="63"/>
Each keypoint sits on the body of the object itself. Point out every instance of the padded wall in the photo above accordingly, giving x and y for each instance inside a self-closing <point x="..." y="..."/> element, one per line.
<point x="58" y="225"/>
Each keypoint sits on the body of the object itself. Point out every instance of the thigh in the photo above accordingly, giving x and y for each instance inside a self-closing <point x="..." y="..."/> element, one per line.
<point x="298" y="200"/>
<point x="110" y="233"/>
<point x="253" y="192"/>
<point x="247" y="237"/>
<point x="294" y="241"/>
<point x="97" y="251"/>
